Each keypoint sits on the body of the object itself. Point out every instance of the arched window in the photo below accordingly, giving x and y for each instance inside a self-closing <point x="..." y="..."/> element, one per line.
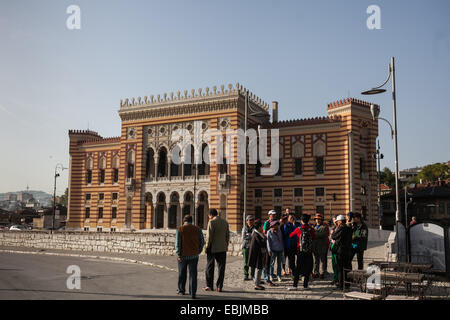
<point x="298" y="152"/>
<point x="188" y="160"/>
<point x="89" y="166"/>
<point x="131" y="157"/>
<point x="162" y="162"/>
<point x="203" y="168"/>
<point x="175" y="167"/>
<point x="319" y="154"/>
<point x="150" y="163"/>
<point x="115" y="166"/>
<point x="102" y="167"/>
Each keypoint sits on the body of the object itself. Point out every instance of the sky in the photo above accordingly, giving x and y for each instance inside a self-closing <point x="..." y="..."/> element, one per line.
<point x="303" y="54"/>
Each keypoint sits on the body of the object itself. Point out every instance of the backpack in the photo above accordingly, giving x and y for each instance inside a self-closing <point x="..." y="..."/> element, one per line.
<point x="305" y="244"/>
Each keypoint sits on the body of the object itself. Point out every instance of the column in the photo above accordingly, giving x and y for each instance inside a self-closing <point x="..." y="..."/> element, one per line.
<point x="166" y="214"/>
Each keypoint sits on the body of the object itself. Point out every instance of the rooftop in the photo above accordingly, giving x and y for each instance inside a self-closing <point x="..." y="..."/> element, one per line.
<point x="193" y="96"/>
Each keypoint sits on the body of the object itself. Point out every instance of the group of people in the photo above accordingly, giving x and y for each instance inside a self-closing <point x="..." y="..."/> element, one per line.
<point x="300" y="248"/>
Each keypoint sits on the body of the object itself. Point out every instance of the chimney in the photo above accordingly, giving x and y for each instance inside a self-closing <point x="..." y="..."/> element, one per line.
<point x="274" y="111"/>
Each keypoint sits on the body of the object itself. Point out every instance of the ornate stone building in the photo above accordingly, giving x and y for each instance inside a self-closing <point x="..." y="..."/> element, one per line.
<point x="132" y="182"/>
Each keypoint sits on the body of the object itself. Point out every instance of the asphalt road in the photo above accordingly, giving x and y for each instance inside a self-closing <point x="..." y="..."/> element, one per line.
<point x="25" y="276"/>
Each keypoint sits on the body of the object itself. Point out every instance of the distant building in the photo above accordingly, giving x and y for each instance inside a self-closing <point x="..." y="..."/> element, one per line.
<point x="4" y="217"/>
<point x="45" y="218"/>
<point x="385" y="189"/>
<point x="426" y="203"/>
<point x="409" y="174"/>
<point x="24" y="196"/>
<point x="11" y="197"/>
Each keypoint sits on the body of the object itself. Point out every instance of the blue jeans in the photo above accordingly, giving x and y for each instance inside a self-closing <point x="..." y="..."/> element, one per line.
<point x="278" y="255"/>
<point x="182" y="275"/>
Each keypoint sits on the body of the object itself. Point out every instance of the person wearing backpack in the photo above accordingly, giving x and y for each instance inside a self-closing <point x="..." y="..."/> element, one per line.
<point x="304" y="265"/>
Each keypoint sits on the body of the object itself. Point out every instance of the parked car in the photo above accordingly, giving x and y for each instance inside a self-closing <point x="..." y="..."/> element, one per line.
<point x="17" y="228"/>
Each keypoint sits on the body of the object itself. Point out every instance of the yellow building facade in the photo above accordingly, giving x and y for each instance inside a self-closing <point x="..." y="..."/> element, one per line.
<point x="132" y="182"/>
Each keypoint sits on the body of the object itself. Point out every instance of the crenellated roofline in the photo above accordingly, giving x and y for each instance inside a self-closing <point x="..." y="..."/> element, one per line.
<point x="155" y="107"/>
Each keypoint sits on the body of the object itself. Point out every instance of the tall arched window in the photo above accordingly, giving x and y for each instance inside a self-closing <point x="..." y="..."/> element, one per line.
<point x="203" y="168"/>
<point x="150" y="163"/>
<point x="102" y="167"/>
<point x="162" y="162"/>
<point x="175" y="167"/>
<point x="131" y="157"/>
<point x="89" y="165"/>
<point x="115" y="166"/>
<point x="188" y="160"/>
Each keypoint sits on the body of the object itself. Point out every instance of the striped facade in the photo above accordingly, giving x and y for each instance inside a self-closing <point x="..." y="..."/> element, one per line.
<point x="134" y="184"/>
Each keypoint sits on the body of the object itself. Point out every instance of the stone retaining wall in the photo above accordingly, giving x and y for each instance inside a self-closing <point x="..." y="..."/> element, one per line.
<point x="157" y="242"/>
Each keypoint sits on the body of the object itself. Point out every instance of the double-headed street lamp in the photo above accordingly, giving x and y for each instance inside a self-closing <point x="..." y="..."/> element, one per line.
<point x="375" y="114"/>
<point x="59" y="165"/>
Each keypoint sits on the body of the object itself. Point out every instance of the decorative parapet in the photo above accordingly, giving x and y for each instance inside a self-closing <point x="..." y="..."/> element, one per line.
<point x="84" y="132"/>
<point x="100" y="140"/>
<point x="348" y="101"/>
<point x="193" y="96"/>
<point x="302" y="122"/>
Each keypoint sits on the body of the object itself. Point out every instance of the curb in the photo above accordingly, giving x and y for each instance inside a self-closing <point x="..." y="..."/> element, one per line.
<point x="91" y="257"/>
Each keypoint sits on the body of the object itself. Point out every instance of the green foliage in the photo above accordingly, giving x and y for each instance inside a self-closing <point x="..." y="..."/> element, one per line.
<point x="64" y="197"/>
<point x="432" y="173"/>
<point x="387" y="177"/>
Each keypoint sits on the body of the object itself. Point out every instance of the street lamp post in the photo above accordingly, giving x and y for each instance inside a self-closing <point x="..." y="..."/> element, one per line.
<point x="375" y="112"/>
<point x="379" y="156"/>
<point x="54" y="194"/>
<point x="246" y="114"/>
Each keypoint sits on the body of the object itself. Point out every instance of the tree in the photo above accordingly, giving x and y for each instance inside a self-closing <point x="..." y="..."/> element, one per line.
<point x="432" y="173"/>
<point x="387" y="177"/>
<point x="64" y="197"/>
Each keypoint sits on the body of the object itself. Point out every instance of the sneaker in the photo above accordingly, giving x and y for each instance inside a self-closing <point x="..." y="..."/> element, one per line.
<point x="292" y="289"/>
<point x="270" y="283"/>
<point x="180" y="293"/>
<point x="279" y="279"/>
<point x="315" y="276"/>
<point x="259" y="288"/>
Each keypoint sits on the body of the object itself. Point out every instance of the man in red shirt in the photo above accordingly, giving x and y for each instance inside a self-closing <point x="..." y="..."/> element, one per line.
<point x="304" y="265"/>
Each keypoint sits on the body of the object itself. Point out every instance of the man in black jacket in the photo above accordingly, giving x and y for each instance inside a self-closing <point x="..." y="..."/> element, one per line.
<point x="342" y="237"/>
<point x="246" y="237"/>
